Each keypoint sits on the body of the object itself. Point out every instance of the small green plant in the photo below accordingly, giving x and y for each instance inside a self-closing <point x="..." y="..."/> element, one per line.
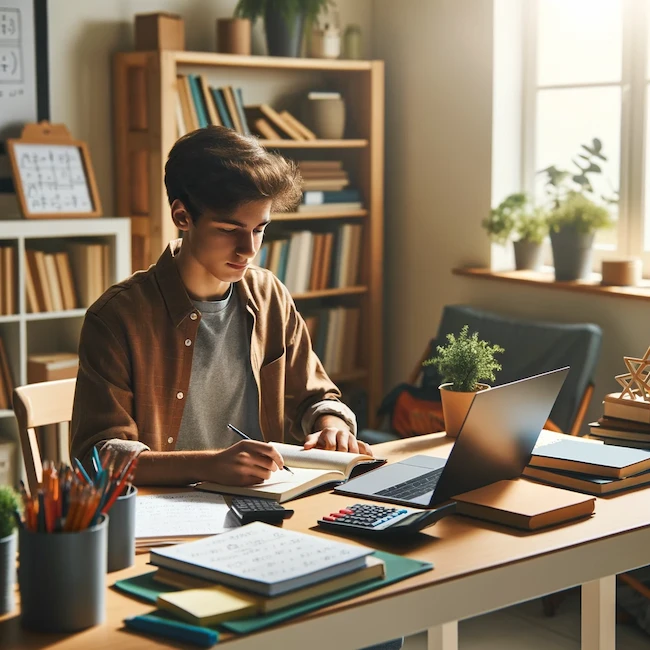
<point x="9" y="503"/>
<point x="579" y="212"/>
<point x="515" y="215"/>
<point x="465" y="361"/>
<point x="254" y="9"/>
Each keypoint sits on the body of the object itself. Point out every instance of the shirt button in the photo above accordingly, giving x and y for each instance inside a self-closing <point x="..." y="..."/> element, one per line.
<point x="188" y="342"/>
<point x="193" y="315"/>
<point x="179" y="395"/>
<point x="170" y="440"/>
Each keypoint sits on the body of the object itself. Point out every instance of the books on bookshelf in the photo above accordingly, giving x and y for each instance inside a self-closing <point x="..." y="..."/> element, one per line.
<point x="263" y="559"/>
<point x="324" y="176"/>
<point x="8" y="295"/>
<point x="198" y="104"/>
<point x="50" y="367"/>
<point x="308" y="260"/>
<point x="62" y="280"/>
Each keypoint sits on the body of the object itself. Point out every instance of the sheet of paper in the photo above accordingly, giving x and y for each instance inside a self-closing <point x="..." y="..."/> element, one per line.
<point x="182" y="514"/>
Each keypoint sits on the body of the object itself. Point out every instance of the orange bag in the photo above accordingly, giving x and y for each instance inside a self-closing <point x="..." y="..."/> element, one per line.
<point x="412" y="416"/>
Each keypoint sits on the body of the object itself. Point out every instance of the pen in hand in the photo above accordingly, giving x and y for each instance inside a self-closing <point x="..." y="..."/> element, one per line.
<point x="245" y="437"/>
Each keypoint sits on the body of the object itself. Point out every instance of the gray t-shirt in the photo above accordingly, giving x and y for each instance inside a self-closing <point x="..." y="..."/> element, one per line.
<point x="222" y="387"/>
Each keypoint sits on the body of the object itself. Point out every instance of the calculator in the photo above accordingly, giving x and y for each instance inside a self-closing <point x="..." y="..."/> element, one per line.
<point x="248" y="509"/>
<point x="383" y="521"/>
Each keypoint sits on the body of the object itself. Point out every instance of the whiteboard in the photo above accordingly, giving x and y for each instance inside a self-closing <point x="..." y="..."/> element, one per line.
<point x="53" y="178"/>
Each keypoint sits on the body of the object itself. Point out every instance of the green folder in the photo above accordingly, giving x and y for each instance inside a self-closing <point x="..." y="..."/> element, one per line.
<point x="398" y="568"/>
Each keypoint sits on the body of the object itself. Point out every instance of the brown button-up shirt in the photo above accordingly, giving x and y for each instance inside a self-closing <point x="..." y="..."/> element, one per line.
<point x="135" y="360"/>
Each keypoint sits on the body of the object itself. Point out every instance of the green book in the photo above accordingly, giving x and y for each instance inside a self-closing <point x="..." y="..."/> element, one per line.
<point x="398" y="568"/>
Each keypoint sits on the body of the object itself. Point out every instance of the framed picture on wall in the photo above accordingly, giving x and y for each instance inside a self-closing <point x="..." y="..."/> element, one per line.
<point x="24" y="80"/>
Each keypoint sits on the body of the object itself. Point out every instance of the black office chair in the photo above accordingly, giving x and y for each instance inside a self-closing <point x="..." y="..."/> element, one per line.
<point x="531" y="347"/>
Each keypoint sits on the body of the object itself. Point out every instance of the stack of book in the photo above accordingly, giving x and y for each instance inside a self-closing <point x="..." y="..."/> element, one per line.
<point x="322" y="176"/>
<point x="8" y="298"/>
<point x="66" y="279"/>
<point x="625" y="422"/>
<point x="6" y="381"/>
<point x="589" y="466"/>
<point x="311" y="261"/>
<point x="256" y="569"/>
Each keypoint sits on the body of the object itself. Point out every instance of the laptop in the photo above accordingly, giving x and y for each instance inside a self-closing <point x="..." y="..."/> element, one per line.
<point x="495" y="443"/>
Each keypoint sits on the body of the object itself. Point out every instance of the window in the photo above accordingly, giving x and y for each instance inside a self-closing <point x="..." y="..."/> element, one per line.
<point x="586" y="75"/>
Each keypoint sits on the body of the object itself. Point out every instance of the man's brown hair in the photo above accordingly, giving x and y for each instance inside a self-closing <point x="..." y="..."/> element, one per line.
<point x="215" y="168"/>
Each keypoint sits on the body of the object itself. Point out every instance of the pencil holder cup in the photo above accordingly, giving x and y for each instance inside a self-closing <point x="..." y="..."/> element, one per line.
<point x="62" y="578"/>
<point x="121" y="531"/>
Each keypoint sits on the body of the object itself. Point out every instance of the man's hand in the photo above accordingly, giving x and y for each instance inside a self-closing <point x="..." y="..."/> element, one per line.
<point x="245" y="463"/>
<point x="334" y="433"/>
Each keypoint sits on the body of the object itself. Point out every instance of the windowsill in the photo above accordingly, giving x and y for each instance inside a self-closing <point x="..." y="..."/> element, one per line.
<point x="545" y="278"/>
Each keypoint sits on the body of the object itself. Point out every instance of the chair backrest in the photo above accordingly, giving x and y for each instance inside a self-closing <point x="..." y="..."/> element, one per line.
<point x="531" y="347"/>
<point x="37" y="405"/>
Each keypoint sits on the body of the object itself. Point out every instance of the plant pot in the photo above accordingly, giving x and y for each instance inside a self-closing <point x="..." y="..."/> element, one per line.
<point x="7" y="573"/>
<point x="455" y="406"/>
<point x="571" y="254"/>
<point x="528" y="255"/>
<point x="283" y="38"/>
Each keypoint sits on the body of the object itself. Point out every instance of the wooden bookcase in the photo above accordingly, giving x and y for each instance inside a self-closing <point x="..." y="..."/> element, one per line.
<point x="144" y="91"/>
<point x="26" y="333"/>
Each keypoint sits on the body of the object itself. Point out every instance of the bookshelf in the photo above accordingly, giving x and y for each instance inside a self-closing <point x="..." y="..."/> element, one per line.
<point x="26" y="333"/>
<point x="145" y="129"/>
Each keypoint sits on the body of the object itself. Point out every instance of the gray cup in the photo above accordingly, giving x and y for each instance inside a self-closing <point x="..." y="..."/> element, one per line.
<point x="121" y="531"/>
<point x="62" y="579"/>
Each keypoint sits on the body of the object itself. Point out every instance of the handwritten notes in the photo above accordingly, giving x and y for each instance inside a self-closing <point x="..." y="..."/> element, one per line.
<point x="53" y="178"/>
<point x="181" y="514"/>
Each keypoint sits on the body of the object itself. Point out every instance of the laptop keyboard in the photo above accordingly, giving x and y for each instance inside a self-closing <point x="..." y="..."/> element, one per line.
<point x="414" y="487"/>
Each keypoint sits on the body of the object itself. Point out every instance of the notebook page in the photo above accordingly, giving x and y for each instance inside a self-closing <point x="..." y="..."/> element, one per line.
<point x="318" y="458"/>
<point x="282" y="481"/>
<point x="182" y="514"/>
<point x="265" y="554"/>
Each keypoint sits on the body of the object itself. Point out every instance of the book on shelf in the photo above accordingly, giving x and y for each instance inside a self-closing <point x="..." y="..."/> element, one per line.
<point x="53" y="366"/>
<point x="239" y="105"/>
<point x="523" y="504"/>
<point x="265" y="129"/>
<point x="198" y="100"/>
<point x="36" y="298"/>
<point x="311" y="468"/>
<point x="229" y="98"/>
<point x="53" y="282"/>
<point x="8" y="298"/>
<point x="324" y="184"/>
<point x="91" y="268"/>
<point x="330" y="207"/>
<point x="267" y="112"/>
<point x="598" y="460"/>
<point x="184" y="91"/>
<point x="598" y="485"/>
<point x="263" y="559"/>
<point x="204" y="603"/>
<point x="306" y="133"/>
<point x="312" y="197"/>
<point x="320" y="165"/>
<point x="5" y="375"/>
<point x="213" y="115"/>
<point x="66" y="280"/>
<point x="43" y="282"/>
<point x="222" y="109"/>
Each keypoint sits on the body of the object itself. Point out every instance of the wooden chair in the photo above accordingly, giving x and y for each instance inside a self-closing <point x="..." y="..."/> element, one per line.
<point x="38" y="405"/>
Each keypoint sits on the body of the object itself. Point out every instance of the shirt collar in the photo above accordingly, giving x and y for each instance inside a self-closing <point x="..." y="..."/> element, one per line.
<point x="179" y="305"/>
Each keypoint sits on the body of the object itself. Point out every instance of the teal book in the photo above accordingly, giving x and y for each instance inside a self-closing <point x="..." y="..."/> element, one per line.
<point x="197" y="98"/>
<point x="239" y="103"/>
<point x="284" y="257"/>
<point x="161" y="624"/>
<point x="397" y="568"/>
<point x="220" y="103"/>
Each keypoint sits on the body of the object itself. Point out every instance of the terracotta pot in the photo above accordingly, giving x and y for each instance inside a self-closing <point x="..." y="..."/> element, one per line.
<point x="455" y="406"/>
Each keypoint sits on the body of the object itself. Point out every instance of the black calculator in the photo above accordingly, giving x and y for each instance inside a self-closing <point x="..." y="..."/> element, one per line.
<point x="248" y="509"/>
<point x="383" y="521"/>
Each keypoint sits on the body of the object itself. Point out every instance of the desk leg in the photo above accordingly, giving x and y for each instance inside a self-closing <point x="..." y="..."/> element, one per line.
<point x="598" y="628"/>
<point x="443" y="637"/>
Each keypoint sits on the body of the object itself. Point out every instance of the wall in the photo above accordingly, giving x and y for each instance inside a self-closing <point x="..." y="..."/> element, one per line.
<point x="439" y="126"/>
<point x="84" y="35"/>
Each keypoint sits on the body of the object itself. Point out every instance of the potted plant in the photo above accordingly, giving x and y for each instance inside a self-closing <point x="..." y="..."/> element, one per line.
<point x="516" y="216"/>
<point x="284" y="21"/>
<point x="463" y="364"/>
<point x="577" y="212"/>
<point x="9" y="505"/>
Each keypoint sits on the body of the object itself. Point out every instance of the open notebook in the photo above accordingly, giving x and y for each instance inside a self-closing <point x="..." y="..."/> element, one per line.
<point x="311" y="468"/>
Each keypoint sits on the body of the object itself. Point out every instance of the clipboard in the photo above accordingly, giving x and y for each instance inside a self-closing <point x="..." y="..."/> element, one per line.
<point x="53" y="173"/>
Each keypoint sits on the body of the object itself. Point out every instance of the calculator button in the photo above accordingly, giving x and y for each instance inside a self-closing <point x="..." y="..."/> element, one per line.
<point x="346" y="511"/>
<point x="329" y="519"/>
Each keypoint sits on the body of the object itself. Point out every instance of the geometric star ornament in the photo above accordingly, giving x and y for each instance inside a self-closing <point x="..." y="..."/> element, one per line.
<point x="639" y="375"/>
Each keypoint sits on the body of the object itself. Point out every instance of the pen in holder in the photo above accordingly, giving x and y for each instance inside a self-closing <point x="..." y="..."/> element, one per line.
<point x="62" y="578"/>
<point x="121" y="531"/>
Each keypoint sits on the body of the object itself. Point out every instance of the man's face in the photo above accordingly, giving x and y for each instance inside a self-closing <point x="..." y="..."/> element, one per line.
<point x="225" y="246"/>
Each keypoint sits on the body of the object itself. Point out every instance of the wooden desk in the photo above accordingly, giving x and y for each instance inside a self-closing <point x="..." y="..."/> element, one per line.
<point x="479" y="567"/>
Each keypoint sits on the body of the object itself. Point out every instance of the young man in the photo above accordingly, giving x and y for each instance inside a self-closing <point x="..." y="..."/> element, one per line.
<point x="201" y="339"/>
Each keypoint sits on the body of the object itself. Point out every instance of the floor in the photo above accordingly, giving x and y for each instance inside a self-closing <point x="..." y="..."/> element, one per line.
<point x="524" y="627"/>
